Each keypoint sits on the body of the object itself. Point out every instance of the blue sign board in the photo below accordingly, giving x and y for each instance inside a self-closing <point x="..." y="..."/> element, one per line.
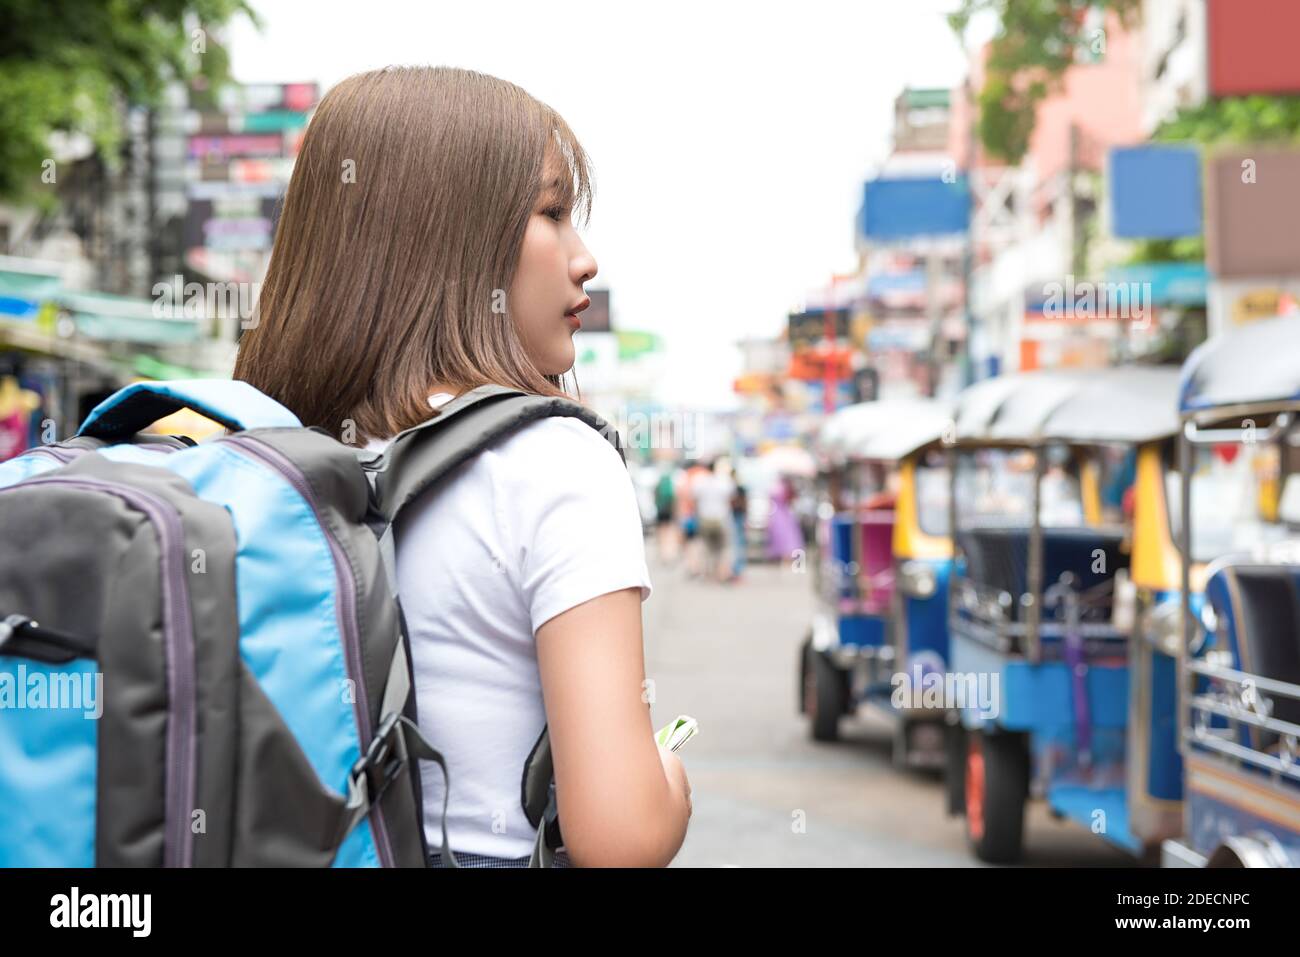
<point x="882" y="284"/>
<point x="900" y="208"/>
<point x="1155" y="192"/>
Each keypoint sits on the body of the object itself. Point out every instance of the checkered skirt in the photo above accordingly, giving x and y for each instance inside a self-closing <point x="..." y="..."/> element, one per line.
<point x="483" y="860"/>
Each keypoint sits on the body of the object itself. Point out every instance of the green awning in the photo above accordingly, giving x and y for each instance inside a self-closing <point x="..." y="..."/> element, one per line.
<point x="31" y="286"/>
<point x="920" y="99"/>
<point x="274" y="121"/>
<point x="126" y="319"/>
<point x="152" y="368"/>
<point x="124" y="329"/>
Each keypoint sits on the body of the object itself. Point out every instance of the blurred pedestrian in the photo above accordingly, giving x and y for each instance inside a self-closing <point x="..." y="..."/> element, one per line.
<point x="713" y="491"/>
<point x="688" y="519"/>
<point x="1061" y="503"/>
<point x="666" y="538"/>
<point x="739" y="513"/>
<point x="784" y="537"/>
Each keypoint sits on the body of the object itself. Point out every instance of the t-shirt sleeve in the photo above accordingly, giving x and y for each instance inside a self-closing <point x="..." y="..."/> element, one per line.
<point x="569" y="506"/>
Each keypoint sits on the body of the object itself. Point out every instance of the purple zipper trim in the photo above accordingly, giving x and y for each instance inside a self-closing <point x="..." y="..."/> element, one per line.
<point x="63" y="456"/>
<point x="346" y="608"/>
<point x="1076" y="661"/>
<point x="178" y="633"/>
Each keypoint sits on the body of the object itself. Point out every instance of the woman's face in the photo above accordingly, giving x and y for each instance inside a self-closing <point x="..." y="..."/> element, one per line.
<point x="546" y="297"/>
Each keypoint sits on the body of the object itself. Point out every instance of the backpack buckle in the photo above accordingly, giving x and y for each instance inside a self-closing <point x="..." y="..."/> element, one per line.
<point x="384" y="758"/>
<point x="11" y="624"/>
<point x="551" y="819"/>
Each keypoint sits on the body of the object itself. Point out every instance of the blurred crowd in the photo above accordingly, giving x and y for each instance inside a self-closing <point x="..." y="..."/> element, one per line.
<point x="713" y="517"/>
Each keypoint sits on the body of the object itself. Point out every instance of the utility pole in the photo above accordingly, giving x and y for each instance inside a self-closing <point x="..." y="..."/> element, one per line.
<point x="830" y="374"/>
<point x="934" y="317"/>
<point x="1078" y="265"/>
<point x="968" y="255"/>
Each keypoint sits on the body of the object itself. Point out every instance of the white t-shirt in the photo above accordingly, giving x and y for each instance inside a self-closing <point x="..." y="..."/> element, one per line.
<point x="713" y="497"/>
<point x="544" y="521"/>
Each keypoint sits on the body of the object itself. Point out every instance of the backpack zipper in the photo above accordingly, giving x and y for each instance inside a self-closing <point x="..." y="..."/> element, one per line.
<point x="64" y="455"/>
<point x="178" y="632"/>
<point x="346" y="584"/>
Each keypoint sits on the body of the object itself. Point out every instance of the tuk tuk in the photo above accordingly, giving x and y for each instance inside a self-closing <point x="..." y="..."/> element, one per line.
<point x="881" y="562"/>
<point x="1239" y="658"/>
<point x="1045" y="501"/>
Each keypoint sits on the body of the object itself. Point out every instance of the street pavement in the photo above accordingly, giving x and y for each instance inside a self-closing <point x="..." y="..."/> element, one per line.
<point x="764" y="793"/>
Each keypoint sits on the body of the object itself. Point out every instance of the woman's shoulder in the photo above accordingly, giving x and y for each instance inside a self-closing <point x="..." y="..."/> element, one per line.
<point x="560" y="463"/>
<point x="561" y="443"/>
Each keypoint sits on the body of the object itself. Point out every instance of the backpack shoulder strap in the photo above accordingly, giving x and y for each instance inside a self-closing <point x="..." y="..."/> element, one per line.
<point x="423" y="455"/>
<point x="537" y="797"/>
<point x="233" y="403"/>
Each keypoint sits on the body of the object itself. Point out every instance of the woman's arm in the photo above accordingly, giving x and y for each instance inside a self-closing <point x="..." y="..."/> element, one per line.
<point x="623" y="800"/>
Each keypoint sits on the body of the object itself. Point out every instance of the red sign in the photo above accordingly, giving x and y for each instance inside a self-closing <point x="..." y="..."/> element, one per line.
<point x="813" y="366"/>
<point x="1252" y="46"/>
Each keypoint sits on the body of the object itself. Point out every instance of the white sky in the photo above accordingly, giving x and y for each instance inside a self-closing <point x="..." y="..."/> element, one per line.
<point x="730" y="140"/>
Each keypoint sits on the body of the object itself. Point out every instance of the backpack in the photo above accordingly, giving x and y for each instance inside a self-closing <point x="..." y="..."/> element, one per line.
<point x="203" y="659"/>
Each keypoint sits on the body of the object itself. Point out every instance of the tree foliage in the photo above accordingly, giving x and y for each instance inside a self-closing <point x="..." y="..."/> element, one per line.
<point x="1236" y="119"/>
<point x="1036" y="42"/>
<point x="72" y="65"/>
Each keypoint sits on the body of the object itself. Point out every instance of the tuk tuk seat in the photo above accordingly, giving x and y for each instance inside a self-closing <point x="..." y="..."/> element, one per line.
<point x="998" y="559"/>
<point x="876" y="554"/>
<point x="1261" y="605"/>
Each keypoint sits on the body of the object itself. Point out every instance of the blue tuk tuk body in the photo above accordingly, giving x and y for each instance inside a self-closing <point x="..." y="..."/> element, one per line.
<point x="880" y="623"/>
<point x="1036" y="633"/>
<point x="1239" y="670"/>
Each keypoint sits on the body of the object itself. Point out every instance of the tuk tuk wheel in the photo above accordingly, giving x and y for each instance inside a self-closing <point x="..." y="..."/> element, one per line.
<point x="997" y="785"/>
<point x="825" y="694"/>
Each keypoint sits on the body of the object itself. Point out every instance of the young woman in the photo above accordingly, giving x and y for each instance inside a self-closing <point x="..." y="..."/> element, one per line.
<point x="427" y="246"/>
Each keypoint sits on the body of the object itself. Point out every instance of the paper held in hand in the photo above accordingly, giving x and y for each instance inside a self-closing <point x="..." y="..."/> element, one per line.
<point x="677" y="732"/>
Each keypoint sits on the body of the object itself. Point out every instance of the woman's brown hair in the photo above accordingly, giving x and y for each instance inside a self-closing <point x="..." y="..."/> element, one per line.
<point x="397" y="243"/>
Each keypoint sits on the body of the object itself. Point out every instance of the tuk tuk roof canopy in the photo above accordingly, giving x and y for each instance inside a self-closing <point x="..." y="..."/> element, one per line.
<point x="1128" y="404"/>
<point x="1254" y="364"/>
<point x="885" y="430"/>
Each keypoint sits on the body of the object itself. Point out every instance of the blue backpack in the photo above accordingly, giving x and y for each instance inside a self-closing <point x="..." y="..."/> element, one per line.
<point x="203" y="660"/>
